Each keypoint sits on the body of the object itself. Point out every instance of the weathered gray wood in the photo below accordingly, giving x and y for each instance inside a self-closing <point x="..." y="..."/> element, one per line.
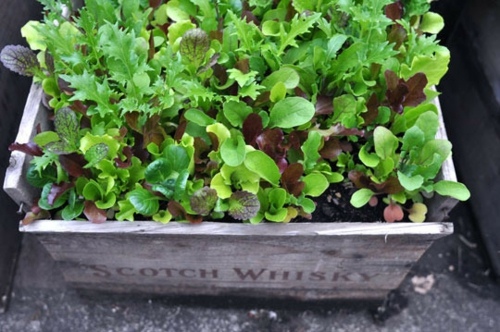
<point x="303" y="267"/>
<point x="231" y="229"/>
<point x="15" y="184"/>
<point x="303" y="261"/>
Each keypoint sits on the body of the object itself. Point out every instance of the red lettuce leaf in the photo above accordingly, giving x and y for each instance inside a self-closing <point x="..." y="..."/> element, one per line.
<point x="93" y="213"/>
<point x="29" y="148"/>
<point x="290" y="179"/>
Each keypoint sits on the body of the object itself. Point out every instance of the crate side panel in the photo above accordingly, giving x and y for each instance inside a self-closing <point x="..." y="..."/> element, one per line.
<point x="293" y="266"/>
<point x="15" y="184"/>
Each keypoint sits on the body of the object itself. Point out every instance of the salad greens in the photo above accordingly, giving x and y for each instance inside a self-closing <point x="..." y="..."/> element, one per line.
<point x="197" y="109"/>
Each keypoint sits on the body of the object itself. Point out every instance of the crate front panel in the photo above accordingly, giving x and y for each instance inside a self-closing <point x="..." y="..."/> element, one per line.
<point x="303" y="267"/>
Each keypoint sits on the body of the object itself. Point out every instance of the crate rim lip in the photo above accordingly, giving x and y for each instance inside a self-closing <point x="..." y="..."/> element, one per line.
<point x="232" y="229"/>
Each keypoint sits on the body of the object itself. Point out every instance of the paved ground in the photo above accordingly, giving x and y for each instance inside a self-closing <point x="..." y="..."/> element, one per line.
<point x="456" y="293"/>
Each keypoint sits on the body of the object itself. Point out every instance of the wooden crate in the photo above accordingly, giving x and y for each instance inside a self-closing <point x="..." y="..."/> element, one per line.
<point x="305" y="261"/>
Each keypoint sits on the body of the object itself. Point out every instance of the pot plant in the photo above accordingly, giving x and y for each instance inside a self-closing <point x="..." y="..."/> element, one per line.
<point x="234" y="110"/>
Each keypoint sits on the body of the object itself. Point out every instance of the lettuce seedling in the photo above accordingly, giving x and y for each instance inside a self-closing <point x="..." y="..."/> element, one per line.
<point x="194" y="110"/>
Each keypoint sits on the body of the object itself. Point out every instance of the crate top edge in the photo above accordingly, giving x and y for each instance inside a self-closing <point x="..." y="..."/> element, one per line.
<point x="232" y="229"/>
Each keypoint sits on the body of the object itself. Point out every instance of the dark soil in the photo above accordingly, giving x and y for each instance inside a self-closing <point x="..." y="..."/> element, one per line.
<point x="334" y="206"/>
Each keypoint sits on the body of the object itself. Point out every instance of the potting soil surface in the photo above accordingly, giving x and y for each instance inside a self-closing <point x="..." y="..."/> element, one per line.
<point x="450" y="289"/>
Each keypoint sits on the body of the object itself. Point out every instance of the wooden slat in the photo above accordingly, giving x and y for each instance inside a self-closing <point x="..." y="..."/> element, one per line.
<point x="219" y="228"/>
<point x="302" y="267"/>
<point x="15" y="184"/>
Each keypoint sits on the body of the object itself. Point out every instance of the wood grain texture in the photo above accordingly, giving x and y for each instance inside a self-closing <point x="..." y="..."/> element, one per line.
<point x="305" y="261"/>
<point x="301" y="267"/>
<point x="14" y="184"/>
<point x="219" y="228"/>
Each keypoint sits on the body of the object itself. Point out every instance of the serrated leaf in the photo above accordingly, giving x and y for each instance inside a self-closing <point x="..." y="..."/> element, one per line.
<point x="125" y="57"/>
<point x="89" y="88"/>
<point x="241" y="78"/>
<point x="300" y="24"/>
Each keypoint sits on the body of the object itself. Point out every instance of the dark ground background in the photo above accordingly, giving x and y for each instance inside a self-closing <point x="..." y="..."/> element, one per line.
<point x="461" y="293"/>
